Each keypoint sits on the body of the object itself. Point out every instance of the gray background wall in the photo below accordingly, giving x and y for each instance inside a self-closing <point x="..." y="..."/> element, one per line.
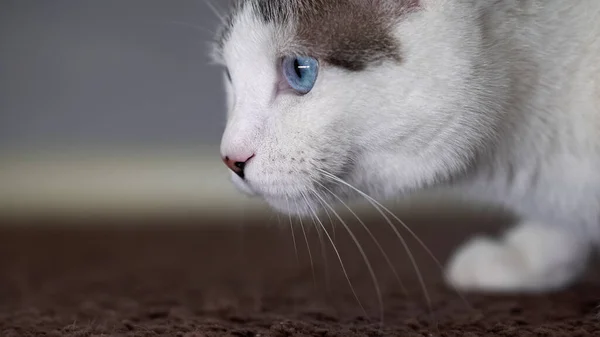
<point x="107" y="74"/>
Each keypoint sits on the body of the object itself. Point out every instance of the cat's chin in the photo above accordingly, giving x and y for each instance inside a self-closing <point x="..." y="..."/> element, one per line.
<point x="298" y="207"/>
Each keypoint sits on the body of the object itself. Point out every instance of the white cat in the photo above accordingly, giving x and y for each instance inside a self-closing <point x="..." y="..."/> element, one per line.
<point x="499" y="99"/>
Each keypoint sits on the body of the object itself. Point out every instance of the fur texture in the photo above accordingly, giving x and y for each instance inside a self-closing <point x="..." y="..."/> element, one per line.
<point x="499" y="99"/>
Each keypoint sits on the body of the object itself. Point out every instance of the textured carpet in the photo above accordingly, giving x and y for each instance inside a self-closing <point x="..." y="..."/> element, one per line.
<point x="204" y="277"/>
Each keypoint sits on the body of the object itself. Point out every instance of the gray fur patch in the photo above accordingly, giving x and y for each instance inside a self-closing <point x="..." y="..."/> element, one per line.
<point x="350" y="34"/>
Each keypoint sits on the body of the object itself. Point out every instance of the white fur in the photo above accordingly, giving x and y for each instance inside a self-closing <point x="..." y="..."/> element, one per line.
<point x="530" y="257"/>
<point x="501" y="98"/>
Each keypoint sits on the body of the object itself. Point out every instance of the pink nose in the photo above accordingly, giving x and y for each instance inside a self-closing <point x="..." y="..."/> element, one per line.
<point x="236" y="166"/>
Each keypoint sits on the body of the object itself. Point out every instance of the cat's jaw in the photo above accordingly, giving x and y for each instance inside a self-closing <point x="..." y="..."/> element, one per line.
<point x="296" y="196"/>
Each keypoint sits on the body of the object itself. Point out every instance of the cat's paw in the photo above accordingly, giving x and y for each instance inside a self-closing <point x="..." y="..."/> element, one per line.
<point x="528" y="258"/>
<point x="484" y="264"/>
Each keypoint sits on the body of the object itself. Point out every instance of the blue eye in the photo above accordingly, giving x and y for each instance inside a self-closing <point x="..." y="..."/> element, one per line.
<point x="301" y="72"/>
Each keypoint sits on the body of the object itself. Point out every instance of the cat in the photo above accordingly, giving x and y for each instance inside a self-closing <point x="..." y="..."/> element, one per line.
<point x="497" y="99"/>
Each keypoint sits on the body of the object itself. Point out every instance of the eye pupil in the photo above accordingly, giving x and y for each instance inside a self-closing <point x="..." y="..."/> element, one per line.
<point x="297" y="68"/>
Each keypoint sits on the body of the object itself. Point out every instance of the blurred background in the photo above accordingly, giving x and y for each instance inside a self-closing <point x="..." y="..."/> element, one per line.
<point x="111" y="106"/>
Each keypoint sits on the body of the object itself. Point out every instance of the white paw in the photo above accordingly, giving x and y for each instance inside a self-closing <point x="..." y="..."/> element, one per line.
<point x="528" y="259"/>
<point x="483" y="264"/>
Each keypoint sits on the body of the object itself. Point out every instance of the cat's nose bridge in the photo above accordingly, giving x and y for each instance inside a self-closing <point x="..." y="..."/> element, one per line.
<point x="237" y="149"/>
<point x="239" y="142"/>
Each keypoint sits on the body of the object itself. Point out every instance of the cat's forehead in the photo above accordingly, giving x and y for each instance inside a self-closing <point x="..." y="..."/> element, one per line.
<point x="346" y="33"/>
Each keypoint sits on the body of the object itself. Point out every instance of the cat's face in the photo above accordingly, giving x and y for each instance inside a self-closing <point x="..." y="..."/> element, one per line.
<point x="386" y="96"/>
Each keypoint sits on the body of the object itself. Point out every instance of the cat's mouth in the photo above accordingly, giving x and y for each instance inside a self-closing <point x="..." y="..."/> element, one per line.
<point x="294" y="201"/>
<point x="242" y="186"/>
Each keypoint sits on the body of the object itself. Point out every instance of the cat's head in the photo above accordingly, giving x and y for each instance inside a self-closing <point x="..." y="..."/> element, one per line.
<point x="386" y="95"/>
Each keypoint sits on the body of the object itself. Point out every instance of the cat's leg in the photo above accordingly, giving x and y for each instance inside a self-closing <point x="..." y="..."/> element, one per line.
<point x="528" y="258"/>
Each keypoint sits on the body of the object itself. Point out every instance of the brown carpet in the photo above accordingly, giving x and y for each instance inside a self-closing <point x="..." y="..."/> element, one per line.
<point x="176" y="278"/>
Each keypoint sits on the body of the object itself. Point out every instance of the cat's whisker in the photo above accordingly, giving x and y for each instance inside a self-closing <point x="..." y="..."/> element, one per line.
<point x="332" y="225"/>
<point x="324" y="253"/>
<point x="360" y="249"/>
<point x="402" y="240"/>
<point x="287" y="200"/>
<point x="337" y="253"/>
<point x="278" y="218"/>
<point x="379" y="206"/>
<point x="322" y="248"/>
<point x="312" y="264"/>
<point x="377" y="243"/>
<point x="215" y="11"/>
